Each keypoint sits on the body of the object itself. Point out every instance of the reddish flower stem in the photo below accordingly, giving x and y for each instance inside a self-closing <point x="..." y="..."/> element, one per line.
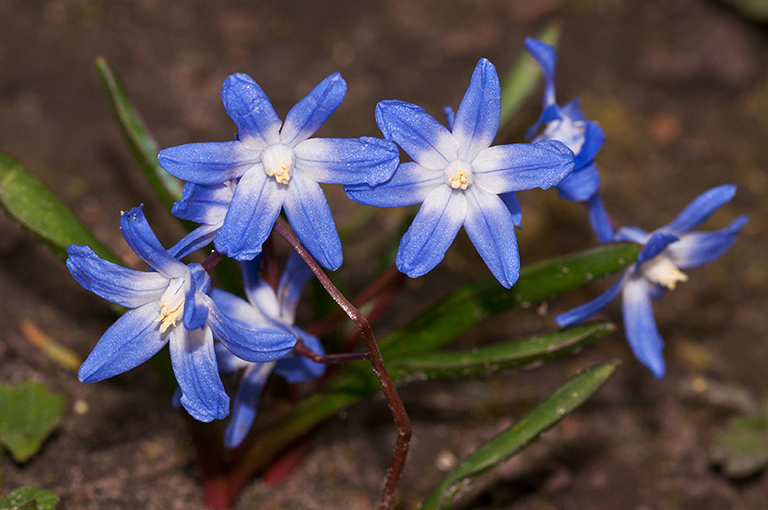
<point x="302" y="350"/>
<point x="394" y="402"/>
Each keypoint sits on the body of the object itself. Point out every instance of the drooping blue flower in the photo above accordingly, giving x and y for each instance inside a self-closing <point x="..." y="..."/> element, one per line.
<point x="584" y="137"/>
<point x="269" y="310"/>
<point x="168" y="305"/>
<point x="460" y="179"/>
<point x="658" y="268"/>
<point x="277" y="166"/>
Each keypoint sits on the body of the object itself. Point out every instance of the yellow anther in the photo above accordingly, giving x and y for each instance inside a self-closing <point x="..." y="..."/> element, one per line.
<point x="278" y="162"/>
<point x="661" y="270"/>
<point x="282" y="175"/>
<point x="168" y="317"/>
<point x="460" y="180"/>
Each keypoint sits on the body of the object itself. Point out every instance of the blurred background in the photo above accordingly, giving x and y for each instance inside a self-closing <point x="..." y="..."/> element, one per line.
<point x="681" y="90"/>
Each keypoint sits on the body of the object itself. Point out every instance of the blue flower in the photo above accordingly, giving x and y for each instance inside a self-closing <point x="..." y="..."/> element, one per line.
<point x="270" y="311"/>
<point x="276" y="166"/>
<point x="584" y="137"/>
<point x="206" y="204"/>
<point x="658" y="268"/>
<point x="460" y="179"/>
<point x="168" y="305"/>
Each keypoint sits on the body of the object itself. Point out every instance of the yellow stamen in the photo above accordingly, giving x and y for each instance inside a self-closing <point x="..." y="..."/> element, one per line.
<point x="661" y="270"/>
<point x="460" y="180"/>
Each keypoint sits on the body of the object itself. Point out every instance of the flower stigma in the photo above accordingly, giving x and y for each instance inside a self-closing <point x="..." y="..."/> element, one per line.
<point x="663" y="271"/>
<point x="278" y="162"/>
<point x="459" y="174"/>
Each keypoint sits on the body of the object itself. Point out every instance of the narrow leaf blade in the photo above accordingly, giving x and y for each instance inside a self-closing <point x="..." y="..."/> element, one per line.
<point x="550" y="411"/>
<point x="36" y="208"/>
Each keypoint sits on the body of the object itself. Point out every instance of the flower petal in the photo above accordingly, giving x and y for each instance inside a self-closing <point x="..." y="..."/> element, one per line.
<point x="310" y="217"/>
<point x="547" y="58"/>
<point x="521" y="166"/>
<point x="190" y="243"/>
<point x="130" y="341"/>
<point x="697" y="248"/>
<point x="246" y="404"/>
<point x="295" y="277"/>
<point x="640" y="326"/>
<point x="208" y="163"/>
<point x="249" y="108"/>
<point x="260" y="294"/>
<point x="347" y="160"/>
<point x="114" y="283"/>
<point x="194" y="365"/>
<point x="296" y="369"/>
<point x="247" y="314"/>
<point x="656" y="243"/>
<point x="478" y="116"/>
<point x="252" y="214"/>
<point x="580" y="185"/>
<point x="490" y="227"/>
<point x="593" y="141"/>
<point x="513" y="204"/>
<point x="631" y="234"/>
<point x="599" y="219"/>
<point x="144" y="243"/>
<point x="310" y="113"/>
<point x="432" y="231"/>
<point x="250" y="344"/>
<point x="227" y="362"/>
<point x="203" y="203"/>
<point x="425" y="140"/>
<point x="587" y="310"/>
<point x="410" y="184"/>
<point x="701" y="208"/>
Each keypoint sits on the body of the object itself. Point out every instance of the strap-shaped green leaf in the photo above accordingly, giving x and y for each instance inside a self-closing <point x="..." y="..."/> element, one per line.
<point x="496" y="358"/>
<point x="141" y="143"/>
<point x="36" y="208"/>
<point x="550" y="411"/>
<point x="523" y="77"/>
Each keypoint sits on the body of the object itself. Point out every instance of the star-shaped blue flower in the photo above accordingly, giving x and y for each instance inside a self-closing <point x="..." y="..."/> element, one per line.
<point x="268" y="310"/>
<point x="168" y="305"/>
<point x="658" y="268"/>
<point x="277" y="166"/>
<point x="584" y="137"/>
<point x="460" y="179"/>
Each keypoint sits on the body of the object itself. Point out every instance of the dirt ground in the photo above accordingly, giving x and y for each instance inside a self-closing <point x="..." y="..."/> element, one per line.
<point x="681" y="90"/>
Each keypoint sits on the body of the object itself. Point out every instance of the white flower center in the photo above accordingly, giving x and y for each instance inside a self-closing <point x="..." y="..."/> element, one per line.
<point x="568" y="131"/>
<point x="278" y="162"/>
<point x="459" y="174"/>
<point x="172" y="304"/>
<point x="661" y="270"/>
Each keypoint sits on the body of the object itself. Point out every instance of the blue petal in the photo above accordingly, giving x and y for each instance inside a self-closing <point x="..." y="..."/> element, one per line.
<point x="698" y="248"/>
<point x="513" y="204"/>
<point x="347" y="160"/>
<point x="550" y="114"/>
<point x="587" y="310"/>
<point x="295" y="277"/>
<point x="701" y="208"/>
<point x="198" y="238"/>
<point x="547" y="58"/>
<point x="450" y="116"/>
<point x="640" y="327"/>
<point x="246" y="314"/>
<point x="128" y="343"/>
<point x="259" y="293"/>
<point x="251" y="111"/>
<point x="477" y="119"/>
<point x="249" y="344"/>
<point x="310" y="113"/>
<point x="296" y="369"/>
<point x="144" y="243"/>
<point x="593" y="141"/>
<point x="194" y="365"/>
<point x="310" y="217"/>
<point x="657" y="243"/>
<point x="521" y="166"/>
<point x="599" y="219"/>
<point x="203" y="203"/>
<point x="246" y="403"/>
<point x="631" y="234"/>
<point x="114" y="283"/>
<point x="490" y="227"/>
<point x="208" y="163"/>
<point x="580" y="185"/>
<point x="425" y="140"/>
<point x="227" y="362"/>
<point x="432" y="231"/>
<point x="409" y="185"/>
<point x="195" y="310"/>
<point x="255" y="206"/>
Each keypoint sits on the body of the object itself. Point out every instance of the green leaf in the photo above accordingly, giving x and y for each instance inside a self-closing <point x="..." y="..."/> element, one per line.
<point x="742" y="448"/>
<point x="523" y="77"/>
<point x="28" y="414"/>
<point x="141" y="143"/>
<point x="36" y="208"/>
<point x="550" y="411"/>
<point x="29" y="498"/>
<point x="433" y="329"/>
<point x="496" y="358"/>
